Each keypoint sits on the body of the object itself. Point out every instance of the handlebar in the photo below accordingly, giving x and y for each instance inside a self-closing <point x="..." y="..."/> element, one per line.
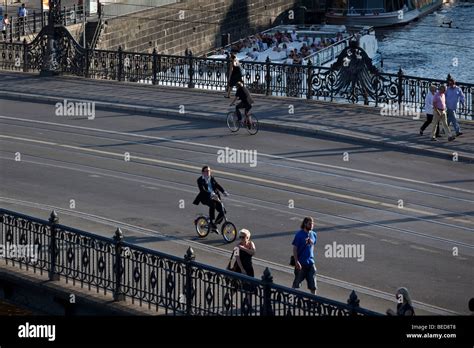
<point x="215" y="197"/>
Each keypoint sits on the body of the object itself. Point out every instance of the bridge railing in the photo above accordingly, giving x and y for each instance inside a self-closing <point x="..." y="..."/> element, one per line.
<point x="36" y="19"/>
<point x="179" y="286"/>
<point x="267" y="78"/>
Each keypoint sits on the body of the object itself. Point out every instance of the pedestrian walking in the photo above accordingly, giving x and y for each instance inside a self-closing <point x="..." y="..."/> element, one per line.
<point x="439" y="108"/>
<point x="303" y="253"/>
<point x="429" y="111"/>
<point x="246" y="250"/>
<point x="454" y="95"/>
<point x="4" y="24"/>
<point x="22" y="13"/>
<point x="235" y="74"/>
<point x="404" y="306"/>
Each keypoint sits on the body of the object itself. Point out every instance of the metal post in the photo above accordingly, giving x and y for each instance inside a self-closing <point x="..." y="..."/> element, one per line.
<point x="188" y="258"/>
<point x="191" y="71"/>
<point x="353" y="302"/>
<point x="25" y="56"/>
<point x="53" y="248"/>
<point x="309" y="78"/>
<point x="120" y="64"/>
<point x="268" y="78"/>
<point x="86" y="62"/>
<point x="267" y="281"/>
<point x="448" y="78"/>
<point x="34" y="21"/>
<point x="377" y="86"/>
<point x="23" y="25"/>
<point x="84" y="31"/>
<point x="42" y="14"/>
<point x="228" y="89"/>
<point x="51" y="64"/>
<point x="154" y="67"/>
<point x="118" y="293"/>
<point x="400" y="88"/>
<point x="11" y="30"/>
<point x="18" y="29"/>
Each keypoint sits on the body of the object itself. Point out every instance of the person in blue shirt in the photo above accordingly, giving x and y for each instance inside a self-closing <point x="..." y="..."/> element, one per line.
<point x="454" y="95"/>
<point x="303" y="253"/>
<point x="22" y="11"/>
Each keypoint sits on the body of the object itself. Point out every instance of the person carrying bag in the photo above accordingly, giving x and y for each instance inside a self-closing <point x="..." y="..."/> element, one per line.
<point x="233" y="267"/>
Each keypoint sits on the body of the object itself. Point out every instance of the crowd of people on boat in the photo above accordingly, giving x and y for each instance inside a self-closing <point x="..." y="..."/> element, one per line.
<point x="286" y="47"/>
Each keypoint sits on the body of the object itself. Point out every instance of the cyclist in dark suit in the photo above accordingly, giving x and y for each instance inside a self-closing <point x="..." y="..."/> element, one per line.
<point x="209" y="195"/>
<point x="246" y="101"/>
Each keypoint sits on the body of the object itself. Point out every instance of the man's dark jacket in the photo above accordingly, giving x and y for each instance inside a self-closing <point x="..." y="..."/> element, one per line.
<point x="204" y="195"/>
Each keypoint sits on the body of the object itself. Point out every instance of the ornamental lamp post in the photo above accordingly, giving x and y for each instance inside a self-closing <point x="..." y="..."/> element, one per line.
<point x="51" y="54"/>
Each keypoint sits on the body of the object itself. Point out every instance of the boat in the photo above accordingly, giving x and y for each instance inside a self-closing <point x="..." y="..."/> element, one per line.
<point x="378" y="13"/>
<point x="325" y="43"/>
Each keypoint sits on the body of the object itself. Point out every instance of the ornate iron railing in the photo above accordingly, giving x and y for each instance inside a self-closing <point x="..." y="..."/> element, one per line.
<point x="178" y="286"/>
<point x="36" y="19"/>
<point x="302" y="81"/>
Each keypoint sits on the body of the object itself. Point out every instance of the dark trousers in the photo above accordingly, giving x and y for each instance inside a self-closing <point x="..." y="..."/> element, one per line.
<point x="429" y="119"/>
<point x="213" y="205"/>
<point x="242" y="105"/>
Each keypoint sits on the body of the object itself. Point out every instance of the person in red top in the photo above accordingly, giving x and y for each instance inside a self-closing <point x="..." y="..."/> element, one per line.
<point x="439" y="111"/>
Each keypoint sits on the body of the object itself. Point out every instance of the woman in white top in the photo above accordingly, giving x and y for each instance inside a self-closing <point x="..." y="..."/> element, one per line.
<point x="429" y="111"/>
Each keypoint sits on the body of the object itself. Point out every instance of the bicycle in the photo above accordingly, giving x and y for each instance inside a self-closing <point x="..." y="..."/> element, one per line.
<point x="228" y="229"/>
<point x="251" y="123"/>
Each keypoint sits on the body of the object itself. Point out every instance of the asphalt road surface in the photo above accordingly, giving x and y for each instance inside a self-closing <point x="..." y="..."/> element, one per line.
<point x="412" y="215"/>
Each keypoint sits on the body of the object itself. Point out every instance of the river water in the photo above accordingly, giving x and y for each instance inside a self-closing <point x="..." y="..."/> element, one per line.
<point x="425" y="49"/>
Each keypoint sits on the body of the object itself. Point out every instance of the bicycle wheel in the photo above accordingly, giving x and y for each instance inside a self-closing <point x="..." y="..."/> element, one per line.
<point x="233" y="121"/>
<point x="253" y="127"/>
<point x="229" y="232"/>
<point x="202" y="226"/>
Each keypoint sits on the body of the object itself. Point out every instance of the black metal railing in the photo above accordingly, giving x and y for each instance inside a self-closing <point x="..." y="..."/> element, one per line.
<point x="302" y="81"/>
<point x="35" y="20"/>
<point x="177" y="286"/>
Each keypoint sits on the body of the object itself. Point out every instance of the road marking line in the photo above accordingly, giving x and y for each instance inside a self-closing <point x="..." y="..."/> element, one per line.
<point x="240" y="176"/>
<point x="222" y="252"/>
<point x="365" y="235"/>
<point x="266" y="204"/>
<point x="389" y="241"/>
<point x="424" y="249"/>
<point x="260" y="154"/>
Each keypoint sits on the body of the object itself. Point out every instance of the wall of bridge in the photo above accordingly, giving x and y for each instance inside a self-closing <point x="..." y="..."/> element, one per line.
<point x="194" y="24"/>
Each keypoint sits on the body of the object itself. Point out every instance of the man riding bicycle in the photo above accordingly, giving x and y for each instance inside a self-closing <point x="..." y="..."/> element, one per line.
<point x="209" y="195"/>
<point x="246" y="102"/>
